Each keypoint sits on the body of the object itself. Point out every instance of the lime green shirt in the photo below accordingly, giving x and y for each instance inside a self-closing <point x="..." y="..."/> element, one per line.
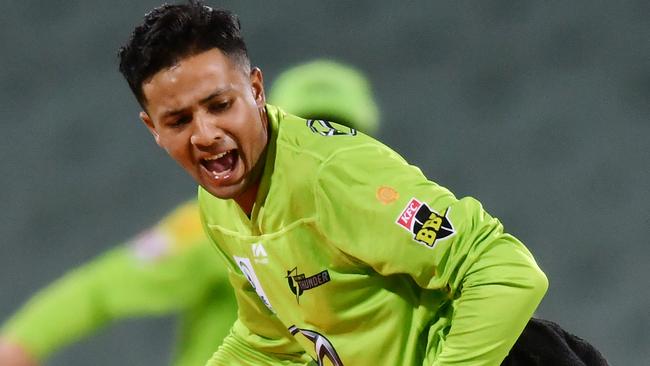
<point x="170" y="268"/>
<point x="352" y="256"/>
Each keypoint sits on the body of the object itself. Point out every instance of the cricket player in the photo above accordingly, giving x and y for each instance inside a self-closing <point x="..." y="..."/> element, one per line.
<point x="171" y="267"/>
<point x="339" y="251"/>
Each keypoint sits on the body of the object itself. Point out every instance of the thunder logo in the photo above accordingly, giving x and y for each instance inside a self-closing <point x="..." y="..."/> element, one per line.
<point x="298" y="283"/>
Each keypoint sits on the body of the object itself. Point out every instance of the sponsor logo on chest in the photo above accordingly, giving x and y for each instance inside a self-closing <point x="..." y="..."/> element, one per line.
<point x="259" y="253"/>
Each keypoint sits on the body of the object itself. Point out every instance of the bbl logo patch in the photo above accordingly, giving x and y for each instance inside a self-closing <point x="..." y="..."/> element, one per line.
<point x="325" y="128"/>
<point x="298" y="283"/>
<point x="426" y="224"/>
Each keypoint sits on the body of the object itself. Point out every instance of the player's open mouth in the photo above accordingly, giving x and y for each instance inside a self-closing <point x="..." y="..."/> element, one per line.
<point x="220" y="166"/>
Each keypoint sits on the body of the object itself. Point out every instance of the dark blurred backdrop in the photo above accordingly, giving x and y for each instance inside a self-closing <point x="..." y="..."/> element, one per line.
<point x="538" y="109"/>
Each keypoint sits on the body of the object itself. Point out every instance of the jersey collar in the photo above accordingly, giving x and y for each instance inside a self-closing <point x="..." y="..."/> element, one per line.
<point x="274" y="115"/>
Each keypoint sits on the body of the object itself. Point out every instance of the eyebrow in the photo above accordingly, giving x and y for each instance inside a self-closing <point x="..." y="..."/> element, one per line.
<point x="215" y="93"/>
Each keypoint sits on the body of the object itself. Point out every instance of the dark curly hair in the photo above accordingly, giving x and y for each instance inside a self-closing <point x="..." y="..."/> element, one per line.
<point x="169" y="33"/>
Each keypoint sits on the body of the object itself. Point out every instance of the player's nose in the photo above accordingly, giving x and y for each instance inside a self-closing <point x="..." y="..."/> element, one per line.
<point x="206" y="131"/>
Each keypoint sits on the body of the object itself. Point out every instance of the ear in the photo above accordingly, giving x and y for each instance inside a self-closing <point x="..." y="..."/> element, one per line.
<point x="150" y="126"/>
<point x="257" y="83"/>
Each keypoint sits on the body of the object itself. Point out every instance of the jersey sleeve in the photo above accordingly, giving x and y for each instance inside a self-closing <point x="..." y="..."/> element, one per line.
<point x="146" y="276"/>
<point x="385" y="214"/>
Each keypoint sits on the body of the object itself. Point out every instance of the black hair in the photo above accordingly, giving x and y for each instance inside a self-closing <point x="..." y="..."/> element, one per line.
<point x="169" y="33"/>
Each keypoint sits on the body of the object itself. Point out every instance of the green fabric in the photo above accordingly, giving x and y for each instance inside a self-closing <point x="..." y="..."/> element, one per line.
<point x="324" y="257"/>
<point x="327" y="89"/>
<point x="146" y="277"/>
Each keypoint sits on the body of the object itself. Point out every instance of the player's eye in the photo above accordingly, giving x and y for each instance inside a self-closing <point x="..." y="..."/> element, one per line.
<point x="219" y="106"/>
<point x="180" y="121"/>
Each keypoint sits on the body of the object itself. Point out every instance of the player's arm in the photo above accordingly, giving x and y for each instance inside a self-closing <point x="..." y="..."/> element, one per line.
<point x="146" y="276"/>
<point x="453" y="246"/>
<point x="497" y="296"/>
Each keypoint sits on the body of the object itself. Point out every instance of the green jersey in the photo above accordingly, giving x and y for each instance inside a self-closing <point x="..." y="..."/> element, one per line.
<point x="351" y="256"/>
<point x="168" y="269"/>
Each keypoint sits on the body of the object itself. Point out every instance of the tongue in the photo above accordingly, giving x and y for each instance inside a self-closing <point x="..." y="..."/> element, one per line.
<point x="222" y="164"/>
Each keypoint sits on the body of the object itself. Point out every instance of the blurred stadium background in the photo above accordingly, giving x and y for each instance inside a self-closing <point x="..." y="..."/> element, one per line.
<point x="541" y="110"/>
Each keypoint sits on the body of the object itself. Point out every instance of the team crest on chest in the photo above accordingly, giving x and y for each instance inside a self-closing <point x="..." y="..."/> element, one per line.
<point x="298" y="283"/>
<point x="426" y="225"/>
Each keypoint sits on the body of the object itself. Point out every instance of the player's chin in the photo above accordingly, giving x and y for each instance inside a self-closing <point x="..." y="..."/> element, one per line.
<point x="225" y="185"/>
<point x="225" y="192"/>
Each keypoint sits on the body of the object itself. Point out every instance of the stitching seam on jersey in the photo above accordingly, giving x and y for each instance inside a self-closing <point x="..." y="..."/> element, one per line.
<point x="342" y="150"/>
<point x="318" y="191"/>
<point x="301" y="151"/>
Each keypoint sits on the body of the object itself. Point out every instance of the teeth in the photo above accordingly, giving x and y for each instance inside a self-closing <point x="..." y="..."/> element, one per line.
<point x="215" y="157"/>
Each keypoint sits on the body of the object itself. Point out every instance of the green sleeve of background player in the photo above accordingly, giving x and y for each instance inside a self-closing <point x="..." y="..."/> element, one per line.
<point x="402" y="223"/>
<point x="147" y="276"/>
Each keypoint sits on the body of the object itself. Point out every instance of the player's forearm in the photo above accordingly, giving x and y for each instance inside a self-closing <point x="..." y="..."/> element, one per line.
<point x="84" y="299"/>
<point x="112" y="286"/>
<point x="233" y="352"/>
<point x="499" y="295"/>
<point x="243" y="348"/>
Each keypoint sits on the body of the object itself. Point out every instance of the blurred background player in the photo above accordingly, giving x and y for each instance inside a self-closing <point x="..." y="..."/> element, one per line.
<point x="324" y="89"/>
<point x="171" y="268"/>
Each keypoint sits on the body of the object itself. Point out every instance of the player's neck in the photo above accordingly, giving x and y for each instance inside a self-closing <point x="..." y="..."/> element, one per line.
<point x="247" y="199"/>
